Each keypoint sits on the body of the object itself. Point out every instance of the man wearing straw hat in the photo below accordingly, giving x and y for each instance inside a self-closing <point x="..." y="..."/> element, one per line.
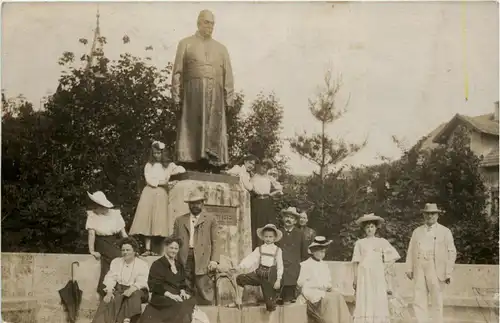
<point x="200" y="249"/>
<point x="430" y="260"/>
<point x="294" y="248"/>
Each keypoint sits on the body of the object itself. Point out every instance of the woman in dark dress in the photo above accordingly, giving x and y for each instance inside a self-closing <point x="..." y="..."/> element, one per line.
<point x="264" y="188"/>
<point x="126" y="287"/>
<point x="106" y="227"/>
<point x="170" y="301"/>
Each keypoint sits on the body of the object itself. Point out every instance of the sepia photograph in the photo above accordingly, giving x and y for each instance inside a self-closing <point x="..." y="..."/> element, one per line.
<point x="263" y="162"/>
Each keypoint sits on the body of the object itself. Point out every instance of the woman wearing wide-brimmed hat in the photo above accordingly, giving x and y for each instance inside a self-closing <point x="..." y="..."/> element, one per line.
<point x="371" y="256"/>
<point x="324" y="303"/>
<point x="262" y="205"/>
<point x="105" y="226"/>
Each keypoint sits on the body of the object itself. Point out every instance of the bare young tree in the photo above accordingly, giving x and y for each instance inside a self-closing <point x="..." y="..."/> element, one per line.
<point x="320" y="148"/>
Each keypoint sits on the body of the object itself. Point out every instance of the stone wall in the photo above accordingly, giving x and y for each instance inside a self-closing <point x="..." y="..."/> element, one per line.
<point x="38" y="277"/>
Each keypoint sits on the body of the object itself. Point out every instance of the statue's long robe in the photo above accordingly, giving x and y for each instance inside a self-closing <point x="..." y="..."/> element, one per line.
<point x="203" y="80"/>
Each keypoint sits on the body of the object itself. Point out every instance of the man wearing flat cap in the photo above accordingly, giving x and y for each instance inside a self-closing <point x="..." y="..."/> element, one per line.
<point x="430" y="260"/>
<point x="200" y="249"/>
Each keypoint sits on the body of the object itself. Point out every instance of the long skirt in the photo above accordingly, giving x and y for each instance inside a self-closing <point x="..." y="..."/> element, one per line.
<point x="262" y="213"/>
<point x="107" y="246"/>
<point x="330" y="309"/>
<point x="372" y="304"/>
<point x="175" y="313"/>
<point x="151" y="217"/>
<point x="121" y="307"/>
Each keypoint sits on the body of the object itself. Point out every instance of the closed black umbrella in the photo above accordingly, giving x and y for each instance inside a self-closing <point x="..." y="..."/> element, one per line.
<point x="71" y="296"/>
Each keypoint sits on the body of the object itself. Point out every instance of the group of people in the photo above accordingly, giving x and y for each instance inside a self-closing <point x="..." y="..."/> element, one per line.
<point x="176" y="281"/>
<point x="180" y="279"/>
<point x="286" y="261"/>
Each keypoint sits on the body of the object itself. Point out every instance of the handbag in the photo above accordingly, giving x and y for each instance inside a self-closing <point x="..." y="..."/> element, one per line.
<point x="199" y="316"/>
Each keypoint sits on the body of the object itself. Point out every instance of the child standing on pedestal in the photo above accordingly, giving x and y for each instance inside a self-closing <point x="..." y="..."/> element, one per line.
<point x="266" y="263"/>
<point x="151" y="216"/>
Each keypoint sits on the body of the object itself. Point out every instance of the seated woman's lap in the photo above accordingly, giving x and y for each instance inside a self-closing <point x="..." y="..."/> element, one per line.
<point x="178" y="313"/>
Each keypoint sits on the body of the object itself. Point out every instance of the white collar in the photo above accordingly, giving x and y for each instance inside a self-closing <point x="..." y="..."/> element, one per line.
<point x="430" y="228"/>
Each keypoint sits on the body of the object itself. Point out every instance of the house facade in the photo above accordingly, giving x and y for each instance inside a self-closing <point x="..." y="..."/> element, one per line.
<point x="484" y="141"/>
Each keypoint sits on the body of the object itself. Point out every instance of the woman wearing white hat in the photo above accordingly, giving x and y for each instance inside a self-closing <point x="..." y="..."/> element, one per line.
<point x="324" y="304"/>
<point x="370" y="256"/>
<point x="104" y="225"/>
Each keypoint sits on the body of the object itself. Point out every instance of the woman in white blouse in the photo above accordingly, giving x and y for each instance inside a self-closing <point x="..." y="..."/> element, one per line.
<point x="242" y="169"/>
<point x="126" y="287"/>
<point x="324" y="304"/>
<point x="264" y="188"/>
<point x="151" y="216"/>
<point x="105" y="226"/>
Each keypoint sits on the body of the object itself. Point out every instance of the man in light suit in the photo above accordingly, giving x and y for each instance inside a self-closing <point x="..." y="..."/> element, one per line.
<point x="430" y="260"/>
<point x="200" y="250"/>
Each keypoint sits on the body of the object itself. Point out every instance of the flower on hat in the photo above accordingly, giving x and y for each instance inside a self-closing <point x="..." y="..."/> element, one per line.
<point x="159" y="144"/>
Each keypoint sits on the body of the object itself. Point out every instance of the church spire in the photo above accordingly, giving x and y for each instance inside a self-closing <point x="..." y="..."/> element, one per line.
<point x="97" y="45"/>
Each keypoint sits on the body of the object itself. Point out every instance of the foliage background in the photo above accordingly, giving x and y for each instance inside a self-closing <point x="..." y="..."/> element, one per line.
<point x="95" y="132"/>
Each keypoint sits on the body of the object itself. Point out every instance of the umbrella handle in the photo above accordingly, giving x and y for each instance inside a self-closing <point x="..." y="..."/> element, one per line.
<point x="73" y="269"/>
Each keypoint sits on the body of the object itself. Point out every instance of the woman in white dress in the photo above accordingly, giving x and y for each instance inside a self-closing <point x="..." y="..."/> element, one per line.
<point x="151" y="216"/>
<point x="370" y="258"/>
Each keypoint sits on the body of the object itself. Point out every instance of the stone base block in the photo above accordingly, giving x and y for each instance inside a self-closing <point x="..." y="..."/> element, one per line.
<point x="205" y="177"/>
<point x="229" y="203"/>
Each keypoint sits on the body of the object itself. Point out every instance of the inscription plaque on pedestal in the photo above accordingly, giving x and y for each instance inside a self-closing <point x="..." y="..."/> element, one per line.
<point x="226" y="215"/>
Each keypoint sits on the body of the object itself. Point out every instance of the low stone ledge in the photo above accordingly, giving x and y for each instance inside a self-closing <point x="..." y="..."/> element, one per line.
<point x="450" y="301"/>
<point x="12" y="304"/>
<point x="296" y="313"/>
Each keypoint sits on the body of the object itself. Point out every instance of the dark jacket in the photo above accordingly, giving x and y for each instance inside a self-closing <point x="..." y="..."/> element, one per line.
<point x="309" y="234"/>
<point x="161" y="279"/>
<point x="294" y="248"/>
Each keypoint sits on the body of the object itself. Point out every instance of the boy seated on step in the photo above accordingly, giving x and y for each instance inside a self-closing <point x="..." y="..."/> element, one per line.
<point x="265" y="264"/>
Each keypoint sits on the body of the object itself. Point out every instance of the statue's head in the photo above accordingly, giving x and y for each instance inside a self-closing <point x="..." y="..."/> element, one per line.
<point x="206" y="23"/>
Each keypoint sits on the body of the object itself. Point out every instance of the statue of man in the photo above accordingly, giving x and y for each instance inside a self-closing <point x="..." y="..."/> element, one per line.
<point x="202" y="85"/>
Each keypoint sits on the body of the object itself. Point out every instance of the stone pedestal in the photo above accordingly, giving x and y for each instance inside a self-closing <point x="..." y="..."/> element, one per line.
<point x="227" y="200"/>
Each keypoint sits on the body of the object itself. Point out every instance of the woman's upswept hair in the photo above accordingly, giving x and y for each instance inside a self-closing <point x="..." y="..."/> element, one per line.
<point x="171" y="239"/>
<point x="377" y="225"/>
<point x="248" y="157"/>
<point x="130" y="241"/>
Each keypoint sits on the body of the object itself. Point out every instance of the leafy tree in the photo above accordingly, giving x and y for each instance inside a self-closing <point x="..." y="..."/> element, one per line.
<point x="448" y="175"/>
<point x="261" y="128"/>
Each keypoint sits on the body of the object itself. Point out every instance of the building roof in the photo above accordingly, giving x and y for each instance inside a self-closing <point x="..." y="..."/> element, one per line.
<point x="428" y="142"/>
<point x="484" y="124"/>
<point x="491" y="159"/>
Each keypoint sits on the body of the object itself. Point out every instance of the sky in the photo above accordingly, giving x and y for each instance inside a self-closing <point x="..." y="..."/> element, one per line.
<point x="406" y="67"/>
